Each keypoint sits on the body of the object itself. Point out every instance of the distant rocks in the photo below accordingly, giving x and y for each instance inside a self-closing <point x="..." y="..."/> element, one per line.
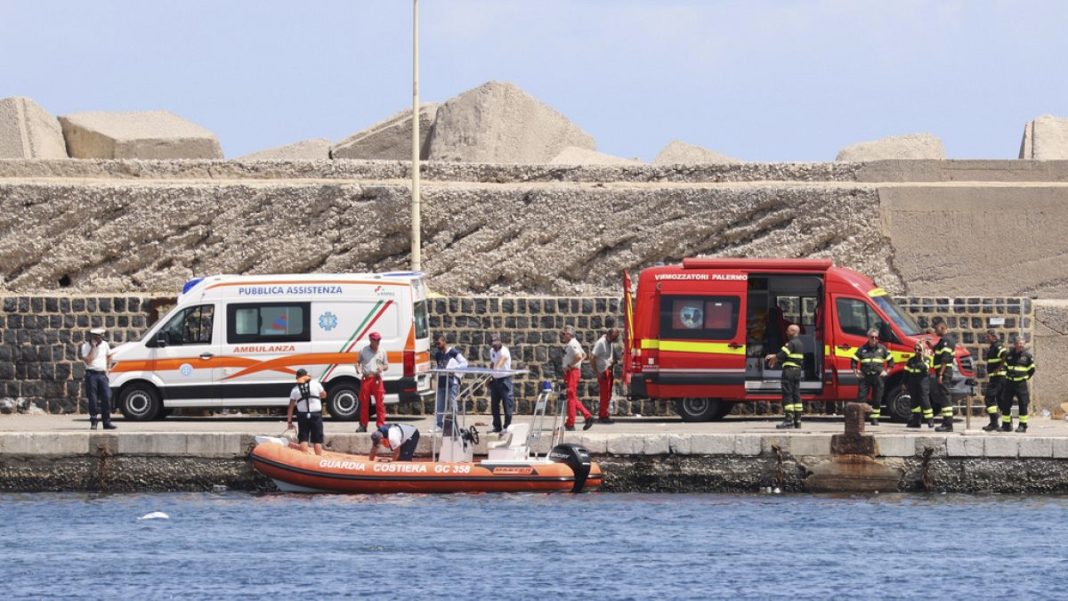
<point x="27" y="131"/>
<point x="573" y="155"/>
<point x="499" y="123"/>
<point x="681" y="153"/>
<point x="390" y="139"/>
<point x="137" y="135"/>
<point x="1045" y="138"/>
<point x="306" y="150"/>
<point x="911" y="146"/>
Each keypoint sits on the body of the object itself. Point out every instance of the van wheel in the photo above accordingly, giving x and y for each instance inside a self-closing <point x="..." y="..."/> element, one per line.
<point x="702" y="410"/>
<point x="139" y="402"/>
<point x="899" y="403"/>
<point x="343" y="401"/>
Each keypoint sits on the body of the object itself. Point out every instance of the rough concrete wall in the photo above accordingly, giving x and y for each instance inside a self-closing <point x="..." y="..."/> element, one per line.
<point x="534" y="239"/>
<point x="1050" y="384"/>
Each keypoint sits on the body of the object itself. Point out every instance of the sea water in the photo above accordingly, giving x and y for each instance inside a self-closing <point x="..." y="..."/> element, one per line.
<point x="532" y="546"/>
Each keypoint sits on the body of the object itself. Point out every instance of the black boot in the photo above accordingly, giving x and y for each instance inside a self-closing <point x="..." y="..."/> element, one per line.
<point x="993" y="425"/>
<point x="947" y="424"/>
<point x="787" y="421"/>
<point x="914" y="421"/>
<point x="930" y="422"/>
<point x="797" y="420"/>
<point x="1006" y="426"/>
<point x="1022" y="427"/>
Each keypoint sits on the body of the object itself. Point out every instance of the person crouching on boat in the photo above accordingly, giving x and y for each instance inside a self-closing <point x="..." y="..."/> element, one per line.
<point x="399" y="439"/>
<point x="307" y="397"/>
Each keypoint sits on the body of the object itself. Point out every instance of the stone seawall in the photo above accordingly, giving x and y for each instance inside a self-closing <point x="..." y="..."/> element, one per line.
<point x="40" y="336"/>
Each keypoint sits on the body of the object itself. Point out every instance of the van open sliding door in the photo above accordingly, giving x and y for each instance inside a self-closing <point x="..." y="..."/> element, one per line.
<point x="774" y="302"/>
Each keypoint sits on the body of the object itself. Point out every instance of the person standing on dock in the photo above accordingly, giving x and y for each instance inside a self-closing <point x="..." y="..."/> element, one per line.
<point x="995" y="386"/>
<point x="307" y="398"/>
<point x="500" y="385"/>
<point x="604" y="360"/>
<point x="792" y="358"/>
<point x="446" y="356"/>
<point x="572" y="364"/>
<point x="1019" y="367"/>
<point x="918" y="383"/>
<point x="942" y="375"/>
<point x="94" y="353"/>
<point x="370" y="364"/>
<point x="870" y="363"/>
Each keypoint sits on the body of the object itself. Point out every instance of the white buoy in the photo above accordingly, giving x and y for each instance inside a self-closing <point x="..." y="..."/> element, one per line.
<point x="777" y="491"/>
<point x="155" y="515"/>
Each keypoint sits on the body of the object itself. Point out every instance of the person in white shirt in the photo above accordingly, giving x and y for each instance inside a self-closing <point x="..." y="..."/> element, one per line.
<point x="500" y="385"/>
<point x="400" y="439"/>
<point x="94" y="353"/>
<point x="604" y="359"/>
<point x="572" y="364"/>
<point x="372" y="361"/>
<point x="307" y="398"/>
<point x="445" y="357"/>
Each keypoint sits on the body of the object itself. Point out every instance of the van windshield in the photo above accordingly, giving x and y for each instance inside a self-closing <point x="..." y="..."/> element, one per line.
<point x="903" y="320"/>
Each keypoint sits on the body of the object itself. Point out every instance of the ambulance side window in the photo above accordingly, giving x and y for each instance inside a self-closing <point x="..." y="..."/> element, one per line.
<point x="699" y="317"/>
<point x="190" y="326"/>
<point x="268" y="322"/>
<point x="856" y="317"/>
<point x="422" y="327"/>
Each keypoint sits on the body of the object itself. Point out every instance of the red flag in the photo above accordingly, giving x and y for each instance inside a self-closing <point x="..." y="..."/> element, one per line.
<point x="628" y="318"/>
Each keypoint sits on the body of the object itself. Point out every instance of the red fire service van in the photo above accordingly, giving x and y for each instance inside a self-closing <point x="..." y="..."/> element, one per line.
<point x="697" y="333"/>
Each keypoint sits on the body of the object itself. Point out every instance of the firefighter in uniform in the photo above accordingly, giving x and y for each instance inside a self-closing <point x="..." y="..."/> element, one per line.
<point x="792" y="357"/>
<point x="1019" y="367"/>
<point x="918" y="384"/>
<point x="942" y="375"/>
<point x="995" y="369"/>
<point x="870" y="363"/>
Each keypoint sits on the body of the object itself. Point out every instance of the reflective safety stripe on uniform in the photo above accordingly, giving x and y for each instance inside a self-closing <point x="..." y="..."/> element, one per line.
<point x="792" y="359"/>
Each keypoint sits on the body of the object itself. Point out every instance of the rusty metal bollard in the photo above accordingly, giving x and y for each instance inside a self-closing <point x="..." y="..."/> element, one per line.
<point x="854" y="441"/>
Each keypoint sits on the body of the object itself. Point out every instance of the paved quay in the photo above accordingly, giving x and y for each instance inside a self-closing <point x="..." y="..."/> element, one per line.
<point x="59" y="452"/>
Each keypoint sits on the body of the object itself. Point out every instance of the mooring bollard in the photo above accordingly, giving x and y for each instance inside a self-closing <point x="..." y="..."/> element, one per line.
<point x="854" y="441"/>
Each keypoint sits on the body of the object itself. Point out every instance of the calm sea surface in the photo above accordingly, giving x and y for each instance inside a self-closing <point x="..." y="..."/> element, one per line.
<point x="594" y="546"/>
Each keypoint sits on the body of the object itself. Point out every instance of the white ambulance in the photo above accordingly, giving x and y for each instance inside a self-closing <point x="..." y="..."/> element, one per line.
<point x="237" y="341"/>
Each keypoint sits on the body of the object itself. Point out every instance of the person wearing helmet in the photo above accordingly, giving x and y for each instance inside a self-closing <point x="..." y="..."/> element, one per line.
<point x="370" y="364"/>
<point x="399" y="439"/>
<point x="307" y="398"/>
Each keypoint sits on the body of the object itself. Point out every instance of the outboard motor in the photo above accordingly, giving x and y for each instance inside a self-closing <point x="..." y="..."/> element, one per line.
<point x="575" y="457"/>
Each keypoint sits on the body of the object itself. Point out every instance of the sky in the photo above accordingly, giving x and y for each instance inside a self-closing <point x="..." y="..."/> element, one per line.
<point x="755" y="80"/>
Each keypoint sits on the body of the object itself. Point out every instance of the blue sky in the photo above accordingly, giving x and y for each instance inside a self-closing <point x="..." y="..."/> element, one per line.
<point x="757" y="80"/>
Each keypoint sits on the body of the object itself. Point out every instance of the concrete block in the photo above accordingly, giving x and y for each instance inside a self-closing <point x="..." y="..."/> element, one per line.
<point x="27" y="131"/>
<point x="680" y="444"/>
<point x="154" y="443"/>
<point x="810" y="444"/>
<point x="1045" y="138"/>
<point x="656" y="444"/>
<point x="768" y="442"/>
<point x="936" y="443"/>
<point x="748" y="445"/>
<point x="215" y="444"/>
<point x="911" y="146"/>
<point x="14" y="443"/>
<point x="44" y="443"/>
<point x="1036" y="447"/>
<point x="712" y="444"/>
<point x="678" y="152"/>
<point x="390" y="139"/>
<point x="965" y="446"/>
<point x="596" y="444"/>
<point x="1060" y="448"/>
<point x="500" y="123"/>
<point x="896" y="446"/>
<point x="1002" y="446"/>
<point x="305" y="150"/>
<point x="137" y="135"/>
<point x="627" y="444"/>
<point x="1049" y="387"/>
<point x="573" y="155"/>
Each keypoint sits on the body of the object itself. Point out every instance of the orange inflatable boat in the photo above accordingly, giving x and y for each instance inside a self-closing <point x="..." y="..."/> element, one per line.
<point x="566" y="468"/>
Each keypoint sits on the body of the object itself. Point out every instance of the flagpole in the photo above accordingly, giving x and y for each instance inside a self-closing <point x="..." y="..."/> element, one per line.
<point x="416" y="217"/>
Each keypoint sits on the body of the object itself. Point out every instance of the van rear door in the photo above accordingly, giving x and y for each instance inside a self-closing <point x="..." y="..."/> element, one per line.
<point x="701" y="344"/>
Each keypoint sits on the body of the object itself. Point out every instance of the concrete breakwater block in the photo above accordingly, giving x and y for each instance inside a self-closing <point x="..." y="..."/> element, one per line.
<point x="500" y="123"/>
<point x="1045" y="138"/>
<point x="27" y="131"/>
<point x="911" y="146"/>
<point x="137" y="135"/>
<point x="305" y="150"/>
<point x="390" y="139"/>
<point x="678" y="152"/>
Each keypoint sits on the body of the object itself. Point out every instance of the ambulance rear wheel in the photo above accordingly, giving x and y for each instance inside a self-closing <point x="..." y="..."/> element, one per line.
<point x="343" y="401"/>
<point x="139" y="402"/>
<point x="702" y="410"/>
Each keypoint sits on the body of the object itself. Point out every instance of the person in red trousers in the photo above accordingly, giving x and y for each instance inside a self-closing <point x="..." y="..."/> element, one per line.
<point x="572" y="364"/>
<point x="604" y="360"/>
<point x="369" y="366"/>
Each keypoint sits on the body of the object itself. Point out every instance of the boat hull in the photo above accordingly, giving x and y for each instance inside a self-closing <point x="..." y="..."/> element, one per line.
<point x="297" y="471"/>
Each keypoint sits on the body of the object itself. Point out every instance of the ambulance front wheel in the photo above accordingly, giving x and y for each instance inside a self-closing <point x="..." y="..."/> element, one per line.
<point x="343" y="401"/>
<point x="139" y="402"/>
<point x="702" y="410"/>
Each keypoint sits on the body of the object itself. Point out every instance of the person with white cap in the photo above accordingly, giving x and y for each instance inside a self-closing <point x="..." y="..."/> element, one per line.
<point x="370" y="364"/>
<point x="400" y="439"/>
<point x="94" y="353"/>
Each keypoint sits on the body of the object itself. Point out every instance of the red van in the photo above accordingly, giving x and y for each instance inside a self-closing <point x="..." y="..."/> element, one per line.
<point x="697" y="333"/>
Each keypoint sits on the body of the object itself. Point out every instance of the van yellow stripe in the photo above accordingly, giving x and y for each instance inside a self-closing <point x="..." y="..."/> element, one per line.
<point x="681" y="346"/>
<point x="899" y="356"/>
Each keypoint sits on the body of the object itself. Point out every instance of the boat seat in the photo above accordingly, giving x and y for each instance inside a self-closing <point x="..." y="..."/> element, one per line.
<point x="512" y="445"/>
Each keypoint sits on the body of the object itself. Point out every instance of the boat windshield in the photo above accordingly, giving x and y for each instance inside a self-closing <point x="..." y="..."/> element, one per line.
<point x="903" y="320"/>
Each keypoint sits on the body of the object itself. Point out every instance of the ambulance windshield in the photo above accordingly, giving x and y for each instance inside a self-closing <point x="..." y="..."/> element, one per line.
<point x="901" y="319"/>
